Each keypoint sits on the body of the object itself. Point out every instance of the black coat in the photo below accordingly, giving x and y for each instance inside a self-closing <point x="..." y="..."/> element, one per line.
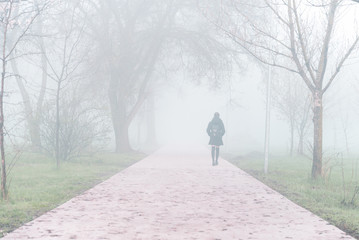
<point x="215" y="130"/>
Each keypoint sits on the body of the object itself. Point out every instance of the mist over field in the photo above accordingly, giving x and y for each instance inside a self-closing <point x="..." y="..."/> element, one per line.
<point x="182" y="115"/>
<point x="80" y="77"/>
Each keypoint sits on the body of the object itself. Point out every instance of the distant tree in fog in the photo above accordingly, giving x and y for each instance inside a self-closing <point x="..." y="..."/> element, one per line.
<point x="15" y="21"/>
<point x="132" y="34"/>
<point x="33" y="50"/>
<point x="132" y="39"/>
<point x="299" y="37"/>
<point x="293" y="103"/>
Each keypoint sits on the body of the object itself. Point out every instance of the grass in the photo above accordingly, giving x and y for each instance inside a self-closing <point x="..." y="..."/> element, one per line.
<point x="37" y="185"/>
<point x="325" y="197"/>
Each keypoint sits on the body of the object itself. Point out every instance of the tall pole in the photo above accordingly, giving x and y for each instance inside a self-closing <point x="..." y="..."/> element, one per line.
<point x="267" y="124"/>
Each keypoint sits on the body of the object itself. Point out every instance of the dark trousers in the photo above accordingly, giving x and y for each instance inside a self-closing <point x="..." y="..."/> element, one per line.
<point x="215" y="155"/>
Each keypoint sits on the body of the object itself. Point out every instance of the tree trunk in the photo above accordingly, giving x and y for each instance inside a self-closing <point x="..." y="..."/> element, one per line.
<point x="151" y="140"/>
<point x="33" y="124"/>
<point x="301" y="129"/>
<point x="318" y="135"/>
<point x="3" y="165"/>
<point x="40" y="101"/>
<point x="57" y="127"/>
<point x="34" y="130"/>
<point x="2" y="148"/>
<point x="119" y="115"/>
<point x="122" y="141"/>
<point x="301" y="143"/>
<point x="120" y="126"/>
<point x="291" y="138"/>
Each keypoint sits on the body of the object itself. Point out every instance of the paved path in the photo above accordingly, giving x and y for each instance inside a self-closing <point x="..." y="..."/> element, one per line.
<point x="176" y="194"/>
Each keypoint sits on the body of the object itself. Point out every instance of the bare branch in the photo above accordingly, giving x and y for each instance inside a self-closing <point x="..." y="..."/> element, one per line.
<point x="339" y="66"/>
<point x="303" y="46"/>
<point x="324" y="54"/>
<point x="24" y="31"/>
<point x="294" y="51"/>
<point x="277" y="13"/>
<point x="260" y="59"/>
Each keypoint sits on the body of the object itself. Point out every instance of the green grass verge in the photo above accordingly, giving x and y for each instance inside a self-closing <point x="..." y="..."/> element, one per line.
<point x="325" y="197"/>
<point x="37" y="185"/>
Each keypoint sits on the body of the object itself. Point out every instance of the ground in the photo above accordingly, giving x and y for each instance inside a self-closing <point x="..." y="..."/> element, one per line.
<point x="175" y="193"/>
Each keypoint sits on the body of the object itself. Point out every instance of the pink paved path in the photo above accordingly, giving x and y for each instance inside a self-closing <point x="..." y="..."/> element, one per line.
<point x="177" y="194"/>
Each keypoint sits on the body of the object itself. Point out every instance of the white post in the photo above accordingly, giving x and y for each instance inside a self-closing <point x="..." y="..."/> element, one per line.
<point x="267" y="124"/>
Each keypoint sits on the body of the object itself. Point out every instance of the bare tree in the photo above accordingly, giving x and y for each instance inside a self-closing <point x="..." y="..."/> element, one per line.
<point x="83" y="128"/>
<point x="132" y="38"/>
<point x="289" y="98"/>
<point x="16" y="20"/>
<point x="299" y="42"/>
<point x="129" y="38"/>
<point x="65" y="58"/>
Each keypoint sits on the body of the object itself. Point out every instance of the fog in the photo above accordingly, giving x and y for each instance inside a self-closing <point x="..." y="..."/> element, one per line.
<point x="182" y="115"/>
<point x="91" y="87"/>
<point x="130" y="75"/>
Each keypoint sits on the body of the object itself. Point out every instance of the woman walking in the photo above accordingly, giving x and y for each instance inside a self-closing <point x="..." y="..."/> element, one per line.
<point x="215" y="131"/>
